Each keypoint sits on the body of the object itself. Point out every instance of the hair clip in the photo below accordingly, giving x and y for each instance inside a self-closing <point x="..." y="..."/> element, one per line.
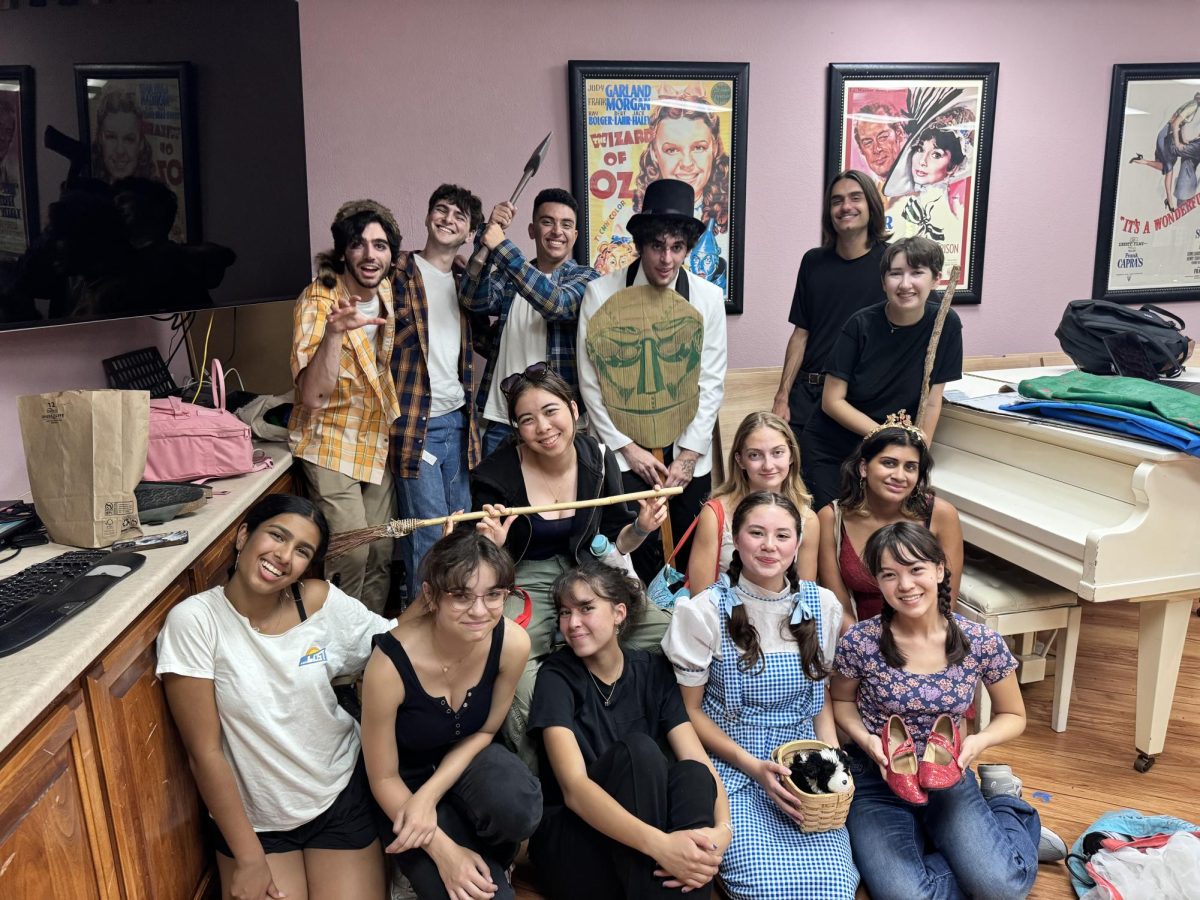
<point x="897" y="420"/>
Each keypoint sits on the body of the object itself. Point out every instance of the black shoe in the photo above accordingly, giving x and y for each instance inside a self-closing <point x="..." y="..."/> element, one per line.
<point x="1136" y="158"/>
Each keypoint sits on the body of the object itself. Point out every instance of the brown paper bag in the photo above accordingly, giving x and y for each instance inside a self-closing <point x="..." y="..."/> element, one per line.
<point x="85" y="452"/>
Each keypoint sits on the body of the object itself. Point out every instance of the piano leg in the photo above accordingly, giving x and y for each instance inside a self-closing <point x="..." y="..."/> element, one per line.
<point x="1162" y="631"/>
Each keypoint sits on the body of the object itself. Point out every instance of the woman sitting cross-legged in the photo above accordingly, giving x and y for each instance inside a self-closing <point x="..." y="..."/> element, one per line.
<point x="764" y="457"/>
<point x="751" y="655"/>
<point x="437" y="688"/>
<point x="919" y="824"/>
<point x="633" y="807"/>
<point x="247" y="670"/>
<point x="886" y="480"/>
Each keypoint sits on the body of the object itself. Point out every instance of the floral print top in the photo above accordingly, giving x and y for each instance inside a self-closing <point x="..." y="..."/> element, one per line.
<point x="918" y="699"/>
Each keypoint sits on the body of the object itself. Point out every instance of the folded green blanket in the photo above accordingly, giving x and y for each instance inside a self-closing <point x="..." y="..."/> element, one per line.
<point x="1132" y="395"/>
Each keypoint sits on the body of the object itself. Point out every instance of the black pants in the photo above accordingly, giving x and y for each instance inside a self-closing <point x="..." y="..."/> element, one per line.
<point x="648" y="558"/>
<point x="803" y="401"/>
<point x="496" y="804"/>
<point x="576" y="862"/>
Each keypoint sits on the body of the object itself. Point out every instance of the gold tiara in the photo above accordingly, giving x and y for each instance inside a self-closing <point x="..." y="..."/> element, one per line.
<point x="898" y="420"/>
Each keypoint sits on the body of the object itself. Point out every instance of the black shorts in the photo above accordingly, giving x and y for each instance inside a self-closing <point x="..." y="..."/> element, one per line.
<point x="351" y="823"/>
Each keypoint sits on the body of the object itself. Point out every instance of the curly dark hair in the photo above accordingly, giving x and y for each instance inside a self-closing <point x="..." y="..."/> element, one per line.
<point x="741" y="630"/>
<point x="715" y="195"/>
<point x="853" y="497"/>
<point x="908" y="543"/>
<point x="453" y="560"/>
<point x="460" y="197"/>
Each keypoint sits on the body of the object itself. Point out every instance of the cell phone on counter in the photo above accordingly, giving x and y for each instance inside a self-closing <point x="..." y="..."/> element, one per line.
<point x="153" y="541"/>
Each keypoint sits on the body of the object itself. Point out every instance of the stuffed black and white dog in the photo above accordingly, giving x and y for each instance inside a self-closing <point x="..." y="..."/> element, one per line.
<point x="825" y="771"/>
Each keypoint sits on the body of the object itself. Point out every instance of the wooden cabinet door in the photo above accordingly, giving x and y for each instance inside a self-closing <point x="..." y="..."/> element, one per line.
<point x="53" y="836"/>
<point x="156" y="814"/>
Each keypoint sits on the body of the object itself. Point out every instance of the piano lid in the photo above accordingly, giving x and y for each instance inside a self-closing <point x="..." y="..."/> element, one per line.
<point x="1104" y="516"/>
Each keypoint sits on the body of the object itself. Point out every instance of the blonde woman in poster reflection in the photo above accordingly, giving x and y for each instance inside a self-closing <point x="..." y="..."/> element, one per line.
<point x="119" y="145"/>
<point x="687" y="146"/>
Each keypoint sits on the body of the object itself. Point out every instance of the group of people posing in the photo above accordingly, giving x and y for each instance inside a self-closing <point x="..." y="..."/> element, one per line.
<point x="528" y="691"/>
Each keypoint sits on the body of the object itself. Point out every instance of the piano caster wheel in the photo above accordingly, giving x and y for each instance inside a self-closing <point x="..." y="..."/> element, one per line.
<point x="1144" y="762"/>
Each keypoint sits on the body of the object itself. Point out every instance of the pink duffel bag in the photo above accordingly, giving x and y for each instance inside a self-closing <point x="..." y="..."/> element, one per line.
<point x="189" y="442"/>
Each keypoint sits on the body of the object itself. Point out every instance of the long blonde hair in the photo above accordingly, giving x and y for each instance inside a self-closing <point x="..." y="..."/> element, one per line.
<point x="736" y="486"/>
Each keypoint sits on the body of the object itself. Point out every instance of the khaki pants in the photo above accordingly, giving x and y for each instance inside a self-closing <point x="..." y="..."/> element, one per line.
<point x="364" y="573"/>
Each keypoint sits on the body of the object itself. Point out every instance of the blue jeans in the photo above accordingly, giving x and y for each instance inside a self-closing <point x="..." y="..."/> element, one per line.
<point x="442" y="486"/>
<point x="959" y="845"/>
<point x="495" y="436"/>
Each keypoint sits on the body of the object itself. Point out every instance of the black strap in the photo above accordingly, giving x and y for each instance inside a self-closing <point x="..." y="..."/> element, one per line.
<point x="681" y="280"/>
<point x="299" y="602"/>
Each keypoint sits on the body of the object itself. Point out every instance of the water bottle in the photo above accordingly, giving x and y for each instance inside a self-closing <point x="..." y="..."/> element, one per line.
<point x="606" y="551"/>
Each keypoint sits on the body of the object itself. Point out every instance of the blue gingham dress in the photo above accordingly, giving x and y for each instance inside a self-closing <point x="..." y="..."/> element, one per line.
<point x="770" y="857"/>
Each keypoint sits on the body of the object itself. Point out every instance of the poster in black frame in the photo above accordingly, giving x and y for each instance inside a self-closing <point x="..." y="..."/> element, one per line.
<point x="632" y="122"/>
<point x="139" y="120"/>
<point x="19" y="214"/>
<point x="1150" y="190"/>
<point x="923" y="131"/>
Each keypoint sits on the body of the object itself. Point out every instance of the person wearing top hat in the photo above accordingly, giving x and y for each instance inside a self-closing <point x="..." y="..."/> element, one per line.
<point x="344" y="327"/>
<point x="664" y="231"/>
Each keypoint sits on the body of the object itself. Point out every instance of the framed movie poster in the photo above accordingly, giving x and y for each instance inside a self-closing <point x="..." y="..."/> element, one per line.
<point x="633" y="123"/>
<point x="1148" y="245"/>
<point x="138" y="120"/>
<point x="18" y="170"/>
<point x="924" y="133"/>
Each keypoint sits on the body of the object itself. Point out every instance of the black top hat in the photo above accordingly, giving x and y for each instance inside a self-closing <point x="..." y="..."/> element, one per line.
<point x="668" y="198"/>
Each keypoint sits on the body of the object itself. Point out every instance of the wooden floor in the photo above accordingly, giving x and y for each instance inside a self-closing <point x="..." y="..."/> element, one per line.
<point x="1088" y="769"/>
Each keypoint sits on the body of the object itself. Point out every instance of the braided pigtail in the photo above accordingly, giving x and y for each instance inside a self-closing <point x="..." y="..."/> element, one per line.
<point x="741" y="630"/>
<point x="957" y="644"/>
<point x="887" y="643"/>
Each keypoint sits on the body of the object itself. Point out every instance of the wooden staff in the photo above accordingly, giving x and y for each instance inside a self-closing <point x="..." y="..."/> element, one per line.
<point x="931" y="352"/>
<point x="343" y="543"/>
<point x="668" y="541"/>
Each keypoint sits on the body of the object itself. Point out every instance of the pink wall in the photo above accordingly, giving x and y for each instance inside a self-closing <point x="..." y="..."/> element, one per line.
<point x="475" y="85"/>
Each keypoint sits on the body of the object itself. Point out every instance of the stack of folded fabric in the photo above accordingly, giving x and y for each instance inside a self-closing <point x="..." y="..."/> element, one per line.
<point x="1133" y="406"/>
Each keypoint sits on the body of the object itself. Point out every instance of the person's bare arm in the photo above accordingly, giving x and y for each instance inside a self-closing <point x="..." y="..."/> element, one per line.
<point x="933" y="412"/>
<point x="1008" y="720"/>
<point x="838" y="408"/>
<point x="806" y="559"/>
<point x="829" y="569"/>
<point x="792" y="357"/>
<point x="193" y="706"/>
<point x="318" y="379"/>
<point x="706" y="551"/>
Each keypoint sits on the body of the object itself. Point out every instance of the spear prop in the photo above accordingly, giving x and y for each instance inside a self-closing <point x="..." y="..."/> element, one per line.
<point x="479" y="258"/>
<point x="343" y="543"/>
<point x="934" y="338"/>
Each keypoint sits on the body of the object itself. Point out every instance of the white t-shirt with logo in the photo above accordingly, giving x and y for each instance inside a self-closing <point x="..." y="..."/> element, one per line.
<point x="291" y="747"/>
<point x="522" y="343"/>
<point x="445" y="338"/>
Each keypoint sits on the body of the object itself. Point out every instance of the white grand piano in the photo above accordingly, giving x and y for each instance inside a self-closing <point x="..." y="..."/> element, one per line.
<point x="1107" y="517"/>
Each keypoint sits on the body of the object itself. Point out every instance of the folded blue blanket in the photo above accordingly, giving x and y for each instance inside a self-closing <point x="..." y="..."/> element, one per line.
<point x="1118" y="420"/>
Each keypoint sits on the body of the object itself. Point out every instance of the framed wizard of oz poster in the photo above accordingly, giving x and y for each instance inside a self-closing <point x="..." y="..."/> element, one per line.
<point x="633" y="123"/>
<point x="924" y="134"/>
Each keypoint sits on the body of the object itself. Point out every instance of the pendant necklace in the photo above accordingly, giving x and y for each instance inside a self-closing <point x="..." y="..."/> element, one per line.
<point x="607" y="700"/>
<point x="278" y="609"/>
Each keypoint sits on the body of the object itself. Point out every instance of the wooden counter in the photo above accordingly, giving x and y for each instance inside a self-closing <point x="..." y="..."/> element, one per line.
<point x="96" y="798"/>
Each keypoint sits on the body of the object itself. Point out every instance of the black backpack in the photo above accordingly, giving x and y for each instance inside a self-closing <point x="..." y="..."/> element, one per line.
<point x="1106" y="338"/>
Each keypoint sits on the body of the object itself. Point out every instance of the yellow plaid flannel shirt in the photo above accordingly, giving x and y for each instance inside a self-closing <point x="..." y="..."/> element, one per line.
<point x="350" y="433"/>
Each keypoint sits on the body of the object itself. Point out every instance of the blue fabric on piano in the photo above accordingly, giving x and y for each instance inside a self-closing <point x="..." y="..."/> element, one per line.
<point x="1117" y="420"/>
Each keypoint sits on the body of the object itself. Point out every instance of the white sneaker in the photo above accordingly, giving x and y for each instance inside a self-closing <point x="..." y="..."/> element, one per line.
<point x="1051" y="848"/>
<point x="401" y="888"/>
<point x="996" y="779"/>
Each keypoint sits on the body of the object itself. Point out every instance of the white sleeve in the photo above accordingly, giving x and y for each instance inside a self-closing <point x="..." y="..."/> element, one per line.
<point x="693" y="638"/>
<point x="188" y="640"/>
<point x="713" y="361"/>
<point x="355" y="626"/>
<point x="589" y="379"/>
<point x="831" y="624"/>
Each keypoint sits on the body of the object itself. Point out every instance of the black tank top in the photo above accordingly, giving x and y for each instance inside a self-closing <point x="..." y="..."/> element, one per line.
<point x="427" y="728"/>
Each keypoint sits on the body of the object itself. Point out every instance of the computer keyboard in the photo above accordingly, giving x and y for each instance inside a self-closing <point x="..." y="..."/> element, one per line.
<point x="38" y="599"/>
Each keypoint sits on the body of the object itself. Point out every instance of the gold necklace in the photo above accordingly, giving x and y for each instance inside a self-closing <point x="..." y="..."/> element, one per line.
<point x="274" y="619"/>
<point x="446" y="667"/>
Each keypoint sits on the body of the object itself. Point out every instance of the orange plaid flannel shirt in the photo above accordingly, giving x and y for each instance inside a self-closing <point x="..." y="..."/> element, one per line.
<point x="350" y="433"/>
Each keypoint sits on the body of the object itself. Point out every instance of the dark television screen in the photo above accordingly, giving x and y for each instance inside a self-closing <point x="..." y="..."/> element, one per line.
<point x="151" y="158"/>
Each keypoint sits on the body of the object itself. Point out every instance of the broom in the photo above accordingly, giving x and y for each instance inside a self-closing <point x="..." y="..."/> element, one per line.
<point x="931" y="352"/>
<point x="341" y="544"/>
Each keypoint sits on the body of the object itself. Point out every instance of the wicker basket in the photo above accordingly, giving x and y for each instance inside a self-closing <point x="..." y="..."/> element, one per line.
<point x="822" y="812"/>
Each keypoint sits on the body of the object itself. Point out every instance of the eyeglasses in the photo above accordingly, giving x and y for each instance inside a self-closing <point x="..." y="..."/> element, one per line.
<point x="462" y="600"/>
<point x="535" y="372"/>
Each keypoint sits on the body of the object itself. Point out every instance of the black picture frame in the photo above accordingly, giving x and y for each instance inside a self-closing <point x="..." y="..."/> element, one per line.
<point x="945" y="201"/>
<point x="1139" y="258"/>
<point x="160" y="99"/>
<point x="618" y="136"/>
<point x="19" y="213"/>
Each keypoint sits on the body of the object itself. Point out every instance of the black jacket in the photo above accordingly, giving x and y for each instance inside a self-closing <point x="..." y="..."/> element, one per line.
<point x="498" y="480"/>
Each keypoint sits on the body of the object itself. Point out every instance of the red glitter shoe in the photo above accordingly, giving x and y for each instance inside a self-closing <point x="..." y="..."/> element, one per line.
<point x="939" y="766"/>
<point x="902" y="767"/>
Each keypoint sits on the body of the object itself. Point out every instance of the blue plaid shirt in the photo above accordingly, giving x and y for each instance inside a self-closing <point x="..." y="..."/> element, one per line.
<point x="556" y="297"/>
